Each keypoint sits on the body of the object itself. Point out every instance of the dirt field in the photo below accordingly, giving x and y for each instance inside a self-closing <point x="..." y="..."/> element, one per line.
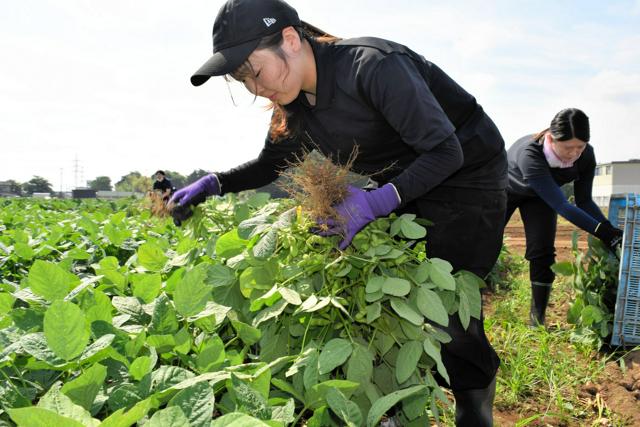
<point x="515" y="239"/>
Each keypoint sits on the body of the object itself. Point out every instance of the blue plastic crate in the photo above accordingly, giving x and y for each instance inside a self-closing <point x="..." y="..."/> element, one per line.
<point x="624" y="212"/>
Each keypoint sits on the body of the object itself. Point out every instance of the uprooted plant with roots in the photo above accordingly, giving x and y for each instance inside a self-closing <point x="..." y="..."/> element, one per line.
<point x="318" y="185"/>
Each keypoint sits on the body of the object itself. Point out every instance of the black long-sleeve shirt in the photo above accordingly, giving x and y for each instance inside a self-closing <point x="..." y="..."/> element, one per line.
<point x="408" y="118"/>
<point x="531" y="176"/>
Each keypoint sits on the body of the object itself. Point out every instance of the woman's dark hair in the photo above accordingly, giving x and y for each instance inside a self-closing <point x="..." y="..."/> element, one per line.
<point x="278" y="128"/>
<point x="160" y="172"/>
<point x="568" y="124"/>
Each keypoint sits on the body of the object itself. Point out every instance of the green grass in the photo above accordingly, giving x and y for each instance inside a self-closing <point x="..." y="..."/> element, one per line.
<point x="542" y="372"/>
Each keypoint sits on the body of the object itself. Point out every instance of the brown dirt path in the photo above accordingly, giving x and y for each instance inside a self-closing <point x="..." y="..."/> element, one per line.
<point x="515" y="238"/>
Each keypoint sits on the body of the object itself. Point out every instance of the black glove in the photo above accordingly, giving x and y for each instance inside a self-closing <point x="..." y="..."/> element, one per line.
<point x="610" y="235"/>
<point x="182" y="213"/>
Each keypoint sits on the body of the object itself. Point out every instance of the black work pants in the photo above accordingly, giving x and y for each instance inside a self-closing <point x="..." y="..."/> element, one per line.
<point x="539" y="221"/>
<point x="467" y="232"/>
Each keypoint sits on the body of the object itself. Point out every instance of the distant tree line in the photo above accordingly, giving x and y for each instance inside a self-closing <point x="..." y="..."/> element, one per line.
<point x="37" y="184"/>
<point x="133" y="181"/>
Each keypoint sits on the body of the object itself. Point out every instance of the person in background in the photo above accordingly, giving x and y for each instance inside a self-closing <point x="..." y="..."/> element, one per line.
<point x="539" y="165"/>
<point x="162" y="185"/>
<point x="440" y="154"/>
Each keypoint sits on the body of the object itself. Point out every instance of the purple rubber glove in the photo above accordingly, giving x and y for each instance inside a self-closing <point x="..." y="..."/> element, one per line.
<point x="360" y="208"/>
<point x="199" y="190"/>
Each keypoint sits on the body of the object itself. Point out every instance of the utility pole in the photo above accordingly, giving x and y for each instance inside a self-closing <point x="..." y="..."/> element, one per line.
<point x="75" y="172"/>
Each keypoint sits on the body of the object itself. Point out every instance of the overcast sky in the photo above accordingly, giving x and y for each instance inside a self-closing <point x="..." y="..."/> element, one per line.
<point x="108" y="81"/>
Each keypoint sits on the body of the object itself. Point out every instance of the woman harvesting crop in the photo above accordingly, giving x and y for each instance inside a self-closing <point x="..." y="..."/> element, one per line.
<point x="440" y="155"/>
<point x="538" y="165"/>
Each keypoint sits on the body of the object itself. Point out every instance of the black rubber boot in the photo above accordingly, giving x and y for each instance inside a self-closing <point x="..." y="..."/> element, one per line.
<point x="474" y="408"/>
<point x="539" y="299"/>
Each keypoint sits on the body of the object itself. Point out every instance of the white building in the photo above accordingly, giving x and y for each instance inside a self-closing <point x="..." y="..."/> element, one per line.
<point x="615" y="178"/>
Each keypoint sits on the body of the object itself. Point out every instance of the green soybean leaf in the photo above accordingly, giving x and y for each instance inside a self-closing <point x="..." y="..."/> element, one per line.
<point x="407" y="360"/>
<point x="321" y="417"/>
<point x="146" y="286"/>
<point x="230" y="244"/>
<point x="248" y="334"/>
<point x="347" y="411"/>
<point x="110" y="269"/>
<point x="171" y="416"/>
<point x="470" y="284"/>
<point x="211" y="356"/>
<point x="284" y="413"/>
<point x="164" y="319"/>
<point x="421" y="273"/>
<point x="564" y="268"/>
<point x="220" y="275"/>
<point x="151" y="257"/>
<point x="334" y="354"/>
<point x="120" y="418"/>
<point x="50" y="281"/>
<point x="27" y="319"/>
<point x="414" y="406"/>
<point x="412" y="230"/>
<point x="360" y="365"/>
<point x="191" y="294"/>
<point x="406" y="312"/>
<point x="430" y="305"/>
<point x="396" y="286"/>
<point x="125" y="395"/>
<point x="66" y="329"/>
<point x="23" y="250"/>
<point x="249" y="400"/>
<point x="591" y="314"/>
<point x="36" y="345"/>
<point x="238" y="419"/>
<point x="167" y="376"/>
<point x="98" y="307"/>
<point x="440" y="276"/>
<point x="196" y="403"/>
<point x="258" y="277"/>
<point x="40" y="417"/>
<point x="270" y="312"/>
<point x="6" y="303"/>
<point x="84" y="389"/>
<point x="373" y="296"/>
<point x="464" y="312"/>
<point x="438" y="334"/>
<point x="116" y="235"/>
<point x="140" y="367"/>
<point x="382" y="405"/>
<point x="317" y="396"/>
<point x="54" y="400"/>
<point x="287" y="388"/>
<point x="266" y="246"/>
<point x="374" y="284"/>
<point x="432" y="348"/>
<point x="290" y="296"/>
<point x="373" y="311"/>
<point x="311" y="371"/>
<point x="253" y="226"/>
<point x="97" y="347"/>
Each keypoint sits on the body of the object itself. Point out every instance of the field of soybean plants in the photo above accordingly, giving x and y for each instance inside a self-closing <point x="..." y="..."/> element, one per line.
<point x="242" y="317"/>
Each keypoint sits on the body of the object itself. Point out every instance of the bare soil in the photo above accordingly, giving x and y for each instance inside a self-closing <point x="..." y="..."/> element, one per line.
<point x="515" y="237"/>
<point x="618" y="389"/>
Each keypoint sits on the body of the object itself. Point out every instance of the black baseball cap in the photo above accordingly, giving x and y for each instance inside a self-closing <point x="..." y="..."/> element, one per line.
<point x="237" y="30"/>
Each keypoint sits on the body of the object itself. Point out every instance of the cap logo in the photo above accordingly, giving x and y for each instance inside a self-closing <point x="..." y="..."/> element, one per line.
<point x="269" y="21"/>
